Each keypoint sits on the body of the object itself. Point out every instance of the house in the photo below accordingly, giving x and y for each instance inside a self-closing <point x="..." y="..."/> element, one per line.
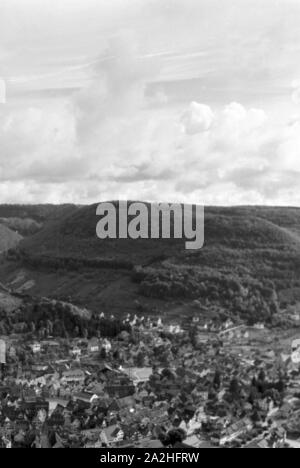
<point x="228" y="324"/>
<point x="97" y="389"/>
<point x="138" y="374"/>
<point x="96" y="444"/>
<point x="232" y="333"/>
<point x="50" y="344"/>
<point x="193" y="441"/>
<point x="35" y="347"/>
<point x="206" y="445"/>
<point x="12" y="352"/>
<point x="278" y="437"/>
<point x="257" y="444"/>
<point x="121" y="403"/>
<point x="29" y="395"/>
<point x="56" y="419"/>
<point x="174" y="329"/>
<point x="106" y="344"/>
<point x="236" y="430"/>
<point x="119" y="389"/>
<point x="92" y="435"/>
<point x="149" y="444"/>
<point x="202" y="338"/>
<point x="75" y="351"/>
<point x="85" y="397"/>
<point x="74" y="375"/>
<point x="93" y="346"/>
<point x="191" y="426"/>
<point x="127" y="402"/>
<point x="286" y="410"/>
<point x="111" y="434"/>
<point x="40" y="368"/>
<point x="56" y="402"/>
<point x="295" y="345"/>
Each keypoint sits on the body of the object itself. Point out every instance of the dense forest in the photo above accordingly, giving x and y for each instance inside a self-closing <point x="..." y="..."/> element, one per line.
<point x="53" y="318"/>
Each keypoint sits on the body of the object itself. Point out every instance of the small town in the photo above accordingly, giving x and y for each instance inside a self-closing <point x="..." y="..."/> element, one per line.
<point x="194" y="384"/>
<point x="149" y="227"/>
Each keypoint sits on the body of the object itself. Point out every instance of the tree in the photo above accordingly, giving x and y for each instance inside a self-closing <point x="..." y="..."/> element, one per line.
<point x="217" y="380"/>
<point x="280" y="386"/>
<point x="50" y="327"/>
<point x="253" y="396"/>
<point x="175" y="436"/>
<point x="262" y="376"/>
<point x="212" y="395"/>
<point x="103" y="353"/>
<point x="234" y="387"/>
<point x="261" y="382"/>
<point x="140" y="359"/>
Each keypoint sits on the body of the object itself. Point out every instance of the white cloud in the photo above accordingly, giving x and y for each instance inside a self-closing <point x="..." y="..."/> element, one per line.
<point x="288" y="149"/>
<point x="123" y="149"/>
<point x="2" y="91"/>
<point x="198" y="118"/>
<point x="186" y="141"/>
<point x="37" y="143"/>
<point x="296" y="91"/>
<point x="296" y="96"/>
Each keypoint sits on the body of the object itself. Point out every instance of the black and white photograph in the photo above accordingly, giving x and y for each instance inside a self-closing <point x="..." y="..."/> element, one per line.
<point x="149" y="227"/>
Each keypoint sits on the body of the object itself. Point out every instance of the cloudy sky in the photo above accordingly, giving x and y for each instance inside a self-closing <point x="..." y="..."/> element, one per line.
<point x="171" y="100"/>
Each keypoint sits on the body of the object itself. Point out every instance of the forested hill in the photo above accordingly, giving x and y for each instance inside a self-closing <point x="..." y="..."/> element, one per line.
<point x="241" y="228"/>
<point x="39" y="213"/>
<point x="249" y="265"/>
<point x="27" y="220"/>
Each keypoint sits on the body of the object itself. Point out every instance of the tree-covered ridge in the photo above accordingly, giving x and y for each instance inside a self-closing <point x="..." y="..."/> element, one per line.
<point x="249" y="265"/>
<point x="74" y="235"/>
<point x="241" y="296"/>
<point x="39" y="213"/>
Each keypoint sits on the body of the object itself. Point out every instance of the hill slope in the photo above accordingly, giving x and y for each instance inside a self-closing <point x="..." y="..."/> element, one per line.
<point x="29" y="219"/>
<point x="237" y="229"/>
<point x="8" y="238"/>
<point x="24" y="226"/>
<point x="251" y="256"/>
<point x="39" y="213"/>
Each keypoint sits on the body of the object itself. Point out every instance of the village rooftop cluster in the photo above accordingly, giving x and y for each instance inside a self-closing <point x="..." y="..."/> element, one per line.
<point x="190" y="383"/>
